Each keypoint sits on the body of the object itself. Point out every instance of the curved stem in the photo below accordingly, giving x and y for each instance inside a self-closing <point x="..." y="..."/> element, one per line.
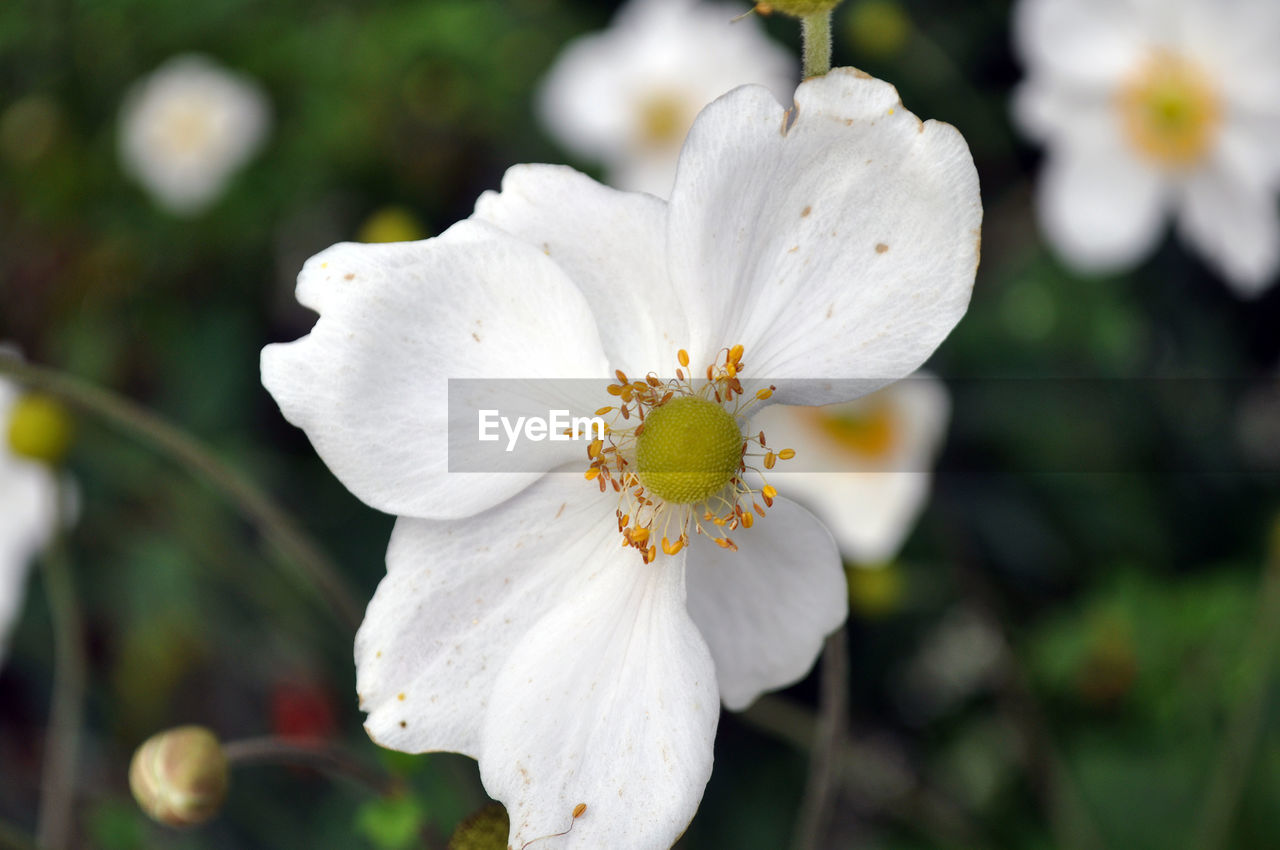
<point x="66" y="713"/>
<point x="321" y="757"/>
<point x="272" y="522"/>
<point x="828" y="746"/>
<point x="817" y="43"/>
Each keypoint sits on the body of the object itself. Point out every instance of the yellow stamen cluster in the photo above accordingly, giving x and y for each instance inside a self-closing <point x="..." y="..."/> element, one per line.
<point x="694" y="481"/>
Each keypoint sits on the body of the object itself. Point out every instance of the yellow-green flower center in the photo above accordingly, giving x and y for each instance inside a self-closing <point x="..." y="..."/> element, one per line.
<point x="690" y="448"/>
<point x="1170" y="111"/>
<point x="39" y="429"/>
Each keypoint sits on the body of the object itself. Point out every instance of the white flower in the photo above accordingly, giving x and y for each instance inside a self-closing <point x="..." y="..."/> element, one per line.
<point x="28" y="513"/>
<point x="628" y="95"/>
<point x="187" y="128"/>
<point x="870" y="475"/>
<point x="1150" y="108"/>
<point x="536" y="621"/>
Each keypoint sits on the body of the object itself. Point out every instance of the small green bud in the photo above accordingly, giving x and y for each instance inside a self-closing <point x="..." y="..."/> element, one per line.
<point x="179" y="777"/>
<point x="392" y="224"/>
<point x="487" y="829"/>
<point x="874" y="590"/>
<point x="797" y="8"/>
<point x="878" y="28"/>
<point x="40" y="429"/>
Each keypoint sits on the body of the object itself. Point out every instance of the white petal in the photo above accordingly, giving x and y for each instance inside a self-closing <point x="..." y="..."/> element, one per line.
<point x="869" y="501"/>
<point x="609" y="701"/>
<point x="459" y="596"/>
<point x="1236" y="226"/>
<point x="766" y="609"/>
<point x="1090" y="43"/>
<point x="370" y="383"/>
<point x="1101" y="209"/>
<point x="612" y="244"/>
<point x="844" y="247"/>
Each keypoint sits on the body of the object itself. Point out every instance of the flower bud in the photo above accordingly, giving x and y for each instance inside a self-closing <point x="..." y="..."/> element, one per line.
<point x="487" y="829"/>
<point x="40" y="429"/>
<point x="878" y="28"/>
<point x="798" y="8"/>
<point x="392" y="224"/>
<point x="179" y="777"/>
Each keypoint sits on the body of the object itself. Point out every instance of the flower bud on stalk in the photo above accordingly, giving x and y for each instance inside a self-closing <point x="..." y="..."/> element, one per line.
<point x="179" y="777"/>
<point x="798" y="8"/>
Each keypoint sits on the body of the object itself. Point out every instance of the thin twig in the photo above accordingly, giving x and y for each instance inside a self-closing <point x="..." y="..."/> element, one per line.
<point x="1244" y="727"/>
<point x="66" y="713"/>
<point x="272" y="522"/>
<point x="330" y="760"/>
<point x="829" y="738"/>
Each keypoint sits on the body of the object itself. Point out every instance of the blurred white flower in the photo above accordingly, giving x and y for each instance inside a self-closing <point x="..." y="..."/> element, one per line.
<point x="1150" y="108"/>
<point x="578" y="636"/>
<point x="627" y="96"/>
<point x="186" y="128"/>
<point x="863" y="467"/>
<point x="28" y="513"/>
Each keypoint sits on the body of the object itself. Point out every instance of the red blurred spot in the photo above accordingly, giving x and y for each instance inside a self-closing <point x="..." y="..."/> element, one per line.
<point x="302" y="711"/>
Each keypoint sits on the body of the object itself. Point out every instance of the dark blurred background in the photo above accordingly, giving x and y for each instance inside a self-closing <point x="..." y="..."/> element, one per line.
<point x="1067" y="653"/>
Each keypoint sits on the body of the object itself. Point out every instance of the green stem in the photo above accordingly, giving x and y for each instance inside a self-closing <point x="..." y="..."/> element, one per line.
<point x="332" y="761"/>
<point x="1244" y="727"/>
<point x="275" y="525"/>
<point x="828" y="746"/>
<point x="66" y="712"/>
<point x="817" y="43"/>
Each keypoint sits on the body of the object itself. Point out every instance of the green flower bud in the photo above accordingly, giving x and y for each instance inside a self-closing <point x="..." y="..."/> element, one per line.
<point x="875" y="590"/>
<point x="40" y="429"/>
<point x="878" y="28"/>
<point x="392" y="224"/>
<point x="179" y="777"/>
<point x="487" y="829"/>
<point x="798" y="8"/>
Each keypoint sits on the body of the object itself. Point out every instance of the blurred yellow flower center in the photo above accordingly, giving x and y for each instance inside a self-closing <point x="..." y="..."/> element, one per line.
<point x="869" y="431"/>
<point x="1170" y="111"/>
<point x="664" y="120"/>
<point x="689" y="449"/>
<point x="187" y="128"/>
<point x="39" y="429"/>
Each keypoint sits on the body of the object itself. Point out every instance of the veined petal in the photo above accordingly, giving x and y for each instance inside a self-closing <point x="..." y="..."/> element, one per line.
<point x="609" y="701"/>
<point x="612" y="244"/>
<point x="766" y="609"/>
<point x="459" y="596"/>
<point x="1236" y="226"/>
<point x="1100" y="208"/>
<point x="842" y="247"/>
<point x="370" y="383"/>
